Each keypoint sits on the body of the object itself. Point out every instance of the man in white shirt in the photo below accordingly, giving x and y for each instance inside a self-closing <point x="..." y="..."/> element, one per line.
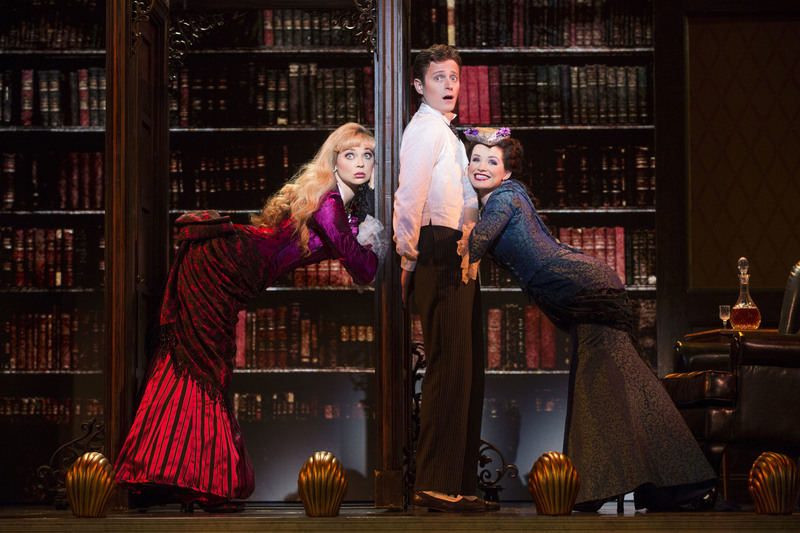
<point x="432" y="202"/>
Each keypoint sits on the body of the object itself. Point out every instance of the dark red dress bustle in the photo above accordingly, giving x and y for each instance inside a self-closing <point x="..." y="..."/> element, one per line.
<point x="185" y="440"/>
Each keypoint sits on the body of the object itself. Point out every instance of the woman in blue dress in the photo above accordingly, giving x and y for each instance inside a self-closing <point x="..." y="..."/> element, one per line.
<point x="623" y="432"/>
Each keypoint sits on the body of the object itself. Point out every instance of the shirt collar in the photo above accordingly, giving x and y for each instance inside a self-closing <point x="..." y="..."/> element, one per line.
<point x="425" y="108"/>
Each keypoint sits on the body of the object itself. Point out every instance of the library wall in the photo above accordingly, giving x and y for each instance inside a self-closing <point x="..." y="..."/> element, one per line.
<point x="744" y="94"/>
<point x="52" y="243"/>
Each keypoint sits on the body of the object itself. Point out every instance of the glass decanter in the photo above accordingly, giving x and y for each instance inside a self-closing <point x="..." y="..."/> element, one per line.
<point x="745" y="314"/>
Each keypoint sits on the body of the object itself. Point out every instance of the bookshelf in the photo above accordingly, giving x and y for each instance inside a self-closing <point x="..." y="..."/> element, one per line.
<point x="228" y="159"/>
<point x="252" y="101"/>
<point x="574" y="82"/>
<point x="52" y="220"/>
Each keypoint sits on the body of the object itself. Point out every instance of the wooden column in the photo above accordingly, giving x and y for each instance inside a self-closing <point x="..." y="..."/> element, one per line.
<point x="392" y="351"/>
<point x="136" y="200"/>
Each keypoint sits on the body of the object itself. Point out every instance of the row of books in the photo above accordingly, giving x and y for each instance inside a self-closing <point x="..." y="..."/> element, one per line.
<point x="15" y="409"/>
<point x="508" y="328"/>
<point x="301" y="94"/>
<point x="327" y="273"/>
<point x="521" y="338"/>
<point x="232" y="178"/>
<point x="517" y="95"/>
<point x="596" y="176"/>
<point x="50" y="257"/>
<point x="290" y="28"/>
<point x="534" y="23"/>
<point x="293" y="337"/>
<point x="630" y="253"/>
<point x="57" y="340"/>
<point x="30" y="97"/>
<point x="65" y="180"/>
<point x="606" y="244"/>
<point x="52" y="25"/>
<point x="254" y="407"/>
<point x="545" y="400"/>
<point x="300" y="27"/>
<point x="235" y="177"/>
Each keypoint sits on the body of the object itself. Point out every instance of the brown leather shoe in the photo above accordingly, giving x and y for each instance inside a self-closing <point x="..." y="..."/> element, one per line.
<point x="461" y="505"/>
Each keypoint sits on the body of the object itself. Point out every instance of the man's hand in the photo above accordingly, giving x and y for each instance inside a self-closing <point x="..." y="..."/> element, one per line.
<point x="406" y="284"/>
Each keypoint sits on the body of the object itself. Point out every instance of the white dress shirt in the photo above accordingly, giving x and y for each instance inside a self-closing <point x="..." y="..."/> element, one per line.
<point x="433" y="185"/>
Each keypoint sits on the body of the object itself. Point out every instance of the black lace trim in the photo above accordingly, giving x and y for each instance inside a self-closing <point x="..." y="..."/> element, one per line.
<point x="168" y="347"/>
<point x="363" y="203"/>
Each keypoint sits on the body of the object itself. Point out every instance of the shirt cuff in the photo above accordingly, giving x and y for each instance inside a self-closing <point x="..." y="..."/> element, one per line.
<point x="408" y="264"/>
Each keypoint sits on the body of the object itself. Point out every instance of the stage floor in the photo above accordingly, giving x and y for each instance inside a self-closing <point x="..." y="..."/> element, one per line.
<point x="515" y="517"/>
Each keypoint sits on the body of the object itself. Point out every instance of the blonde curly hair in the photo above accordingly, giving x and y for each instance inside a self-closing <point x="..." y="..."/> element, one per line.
<point x="301" y="196"/>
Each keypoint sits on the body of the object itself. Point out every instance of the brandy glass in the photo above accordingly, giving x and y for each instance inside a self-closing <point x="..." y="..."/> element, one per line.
<point x="724" y="315"/>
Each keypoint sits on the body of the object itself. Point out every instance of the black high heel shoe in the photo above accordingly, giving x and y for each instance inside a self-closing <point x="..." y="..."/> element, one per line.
<point x="592" y="506"/>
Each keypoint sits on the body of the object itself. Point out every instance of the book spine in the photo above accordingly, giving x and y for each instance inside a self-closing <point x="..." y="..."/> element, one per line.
<point x="533" y="341"/>
<point x="282" y="118"/>
<point x="495" y="95"/>
<point x="369" y="95"/>
<point x="26" y="97"/>
<point x="268" y="35"/>
<point x="548" y="343"/>
<point x="42" y="97"/>
<point x="494" y="337"/>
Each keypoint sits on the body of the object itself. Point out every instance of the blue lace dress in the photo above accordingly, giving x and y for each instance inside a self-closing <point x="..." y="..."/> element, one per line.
<point x="623" y="431"/>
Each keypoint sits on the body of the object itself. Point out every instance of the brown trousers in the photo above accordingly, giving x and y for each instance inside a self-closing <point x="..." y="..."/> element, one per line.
<point x="452" y="389"/>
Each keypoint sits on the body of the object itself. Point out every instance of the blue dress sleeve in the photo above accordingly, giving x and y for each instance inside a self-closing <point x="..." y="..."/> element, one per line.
<point x="496" y="215"/>
<point x="336" y="233"/>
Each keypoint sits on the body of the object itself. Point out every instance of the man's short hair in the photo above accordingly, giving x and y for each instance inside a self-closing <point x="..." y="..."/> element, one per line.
<point x="436" y="53"/>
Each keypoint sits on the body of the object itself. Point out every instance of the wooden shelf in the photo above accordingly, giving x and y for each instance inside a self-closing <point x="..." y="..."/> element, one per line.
<point x="54" y="212"/>
<point x="598" y="211"/>
<point x="305" y="371"/>
<point x="57" y="372"/>
<point x="52" y="290"/>
<point x="282" y="50"/>
<point x="30" y="130"/>
<point x="71" y="54"/>
<point x="234" y="5"/>
<point x="644" y="52"/>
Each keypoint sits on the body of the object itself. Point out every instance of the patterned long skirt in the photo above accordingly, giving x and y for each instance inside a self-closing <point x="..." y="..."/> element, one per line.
<point x="623" y="429"/>
<point x="184" y="443"/>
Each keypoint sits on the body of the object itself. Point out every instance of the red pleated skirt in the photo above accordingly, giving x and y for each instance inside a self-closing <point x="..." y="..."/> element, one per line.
<point x="182" y="440"/>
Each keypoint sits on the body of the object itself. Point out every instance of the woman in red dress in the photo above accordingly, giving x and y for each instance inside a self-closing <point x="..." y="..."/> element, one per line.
<point x="185" y="443"/>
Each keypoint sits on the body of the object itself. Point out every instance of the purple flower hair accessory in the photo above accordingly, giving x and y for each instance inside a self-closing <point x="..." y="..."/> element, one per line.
<point x="488" y="136"/>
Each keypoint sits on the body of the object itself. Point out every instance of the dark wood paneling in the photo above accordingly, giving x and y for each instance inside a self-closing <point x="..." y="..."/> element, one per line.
<point x="136" y="212"/>
<point x="683" y="305"/>
<point x="391" y="327"/>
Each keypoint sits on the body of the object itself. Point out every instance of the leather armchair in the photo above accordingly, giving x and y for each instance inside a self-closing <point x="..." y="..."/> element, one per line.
<point x="738" y="390"/>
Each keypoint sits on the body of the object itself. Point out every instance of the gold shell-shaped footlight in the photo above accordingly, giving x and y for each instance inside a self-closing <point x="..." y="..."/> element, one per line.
<point x="322" y="484"/>
<point x="88" y="484"/>
<point x="774" y="484"/>
<point x="553" y="483"/>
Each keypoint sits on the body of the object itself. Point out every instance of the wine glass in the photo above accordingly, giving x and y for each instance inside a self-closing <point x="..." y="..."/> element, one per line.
<point x="724" y="314"/>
